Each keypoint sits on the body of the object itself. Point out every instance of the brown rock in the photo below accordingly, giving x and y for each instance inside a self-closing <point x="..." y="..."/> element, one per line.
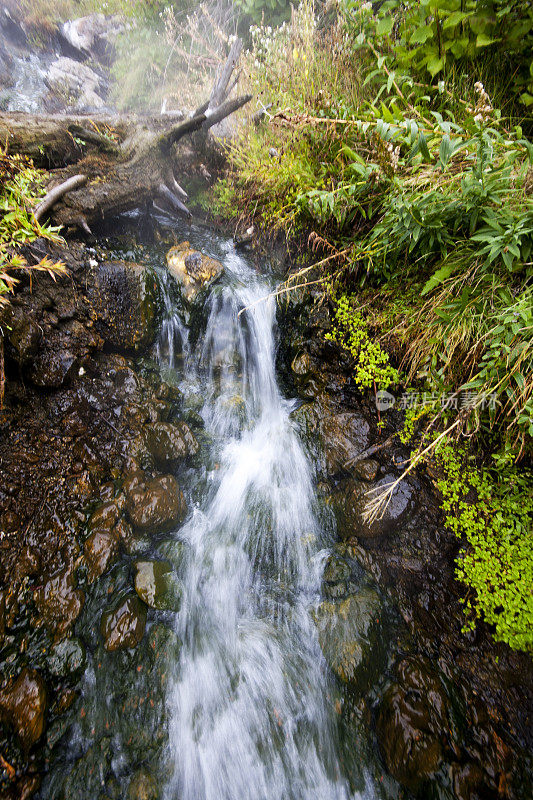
<point x="126" y="301"/>
<point x="168" y="443"/>
<point x="105" y="516"/>
<point x="123" y="625"/>
<point x="23" y="706"/>
<point x="157" y="505"/>
<point x="58" y="602"/>
<point x="366" y="470"/>
<point x="412" y="723"/>
<point x="101" y="550"/>
<point x="28" y="563"/>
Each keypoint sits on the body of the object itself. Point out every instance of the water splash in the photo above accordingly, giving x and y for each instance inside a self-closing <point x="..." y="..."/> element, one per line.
<point x="248" y="704"/>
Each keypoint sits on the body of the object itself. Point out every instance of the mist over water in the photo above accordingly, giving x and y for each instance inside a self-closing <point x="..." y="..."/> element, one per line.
<point x="248" y="704"/>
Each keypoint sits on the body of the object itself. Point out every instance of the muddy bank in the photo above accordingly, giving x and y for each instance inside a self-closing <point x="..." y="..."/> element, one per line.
<point x="453" y="717"/>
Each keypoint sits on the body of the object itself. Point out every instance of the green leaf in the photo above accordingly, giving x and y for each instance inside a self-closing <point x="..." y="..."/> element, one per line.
<point x="384" y="26"/>
<point x="445" y="150"/>
<point x="423" y="146"/>
<point x="482" y="40"/>
<point x="421" y="35"/>
<point x="438" y="277"/>
<point x="455" y="18"/>
<point x="434" y="65"/>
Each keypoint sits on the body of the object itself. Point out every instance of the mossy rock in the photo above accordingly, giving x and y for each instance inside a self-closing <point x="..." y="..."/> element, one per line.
<point x="157" y="586"/>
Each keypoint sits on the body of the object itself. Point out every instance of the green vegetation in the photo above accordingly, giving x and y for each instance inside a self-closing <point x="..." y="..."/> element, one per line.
<point x="400" y="142"/>
<point x="372" y="366"/>
<point x="497" y="564"/>
<point x="20" y="190"/>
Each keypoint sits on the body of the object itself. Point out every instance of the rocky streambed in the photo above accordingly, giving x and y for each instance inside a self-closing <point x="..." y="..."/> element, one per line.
<point x="109" y="474"/>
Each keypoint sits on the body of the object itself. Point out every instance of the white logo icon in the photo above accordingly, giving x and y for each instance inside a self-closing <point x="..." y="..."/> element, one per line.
<point x="384" y="400"/>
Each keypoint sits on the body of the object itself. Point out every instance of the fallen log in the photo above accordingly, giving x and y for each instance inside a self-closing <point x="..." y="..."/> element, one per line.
<point x="127" y="160"/>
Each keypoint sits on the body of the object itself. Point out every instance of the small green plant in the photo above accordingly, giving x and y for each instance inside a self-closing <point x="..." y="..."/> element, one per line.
<point x="372" y="366"/>
<point x="20" y="190"/>
<point x="492" y="512"/>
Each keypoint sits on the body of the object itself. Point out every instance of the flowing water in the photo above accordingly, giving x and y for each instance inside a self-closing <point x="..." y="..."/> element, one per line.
<point x="249" y="711"/>
<point x="230" y="697"/>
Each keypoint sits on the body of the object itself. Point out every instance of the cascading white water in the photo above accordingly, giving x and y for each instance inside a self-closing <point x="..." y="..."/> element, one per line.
<point x="248" y="702"/>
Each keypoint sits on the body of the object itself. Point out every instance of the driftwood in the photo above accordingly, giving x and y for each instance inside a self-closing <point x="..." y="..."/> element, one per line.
<point x="107" y="164"/>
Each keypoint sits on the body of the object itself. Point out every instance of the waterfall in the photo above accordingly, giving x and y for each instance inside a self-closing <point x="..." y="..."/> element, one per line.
<point x="248" y="702"/>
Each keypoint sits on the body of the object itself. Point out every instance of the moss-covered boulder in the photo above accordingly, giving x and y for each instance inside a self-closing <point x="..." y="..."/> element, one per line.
<point x="348" y="632"/>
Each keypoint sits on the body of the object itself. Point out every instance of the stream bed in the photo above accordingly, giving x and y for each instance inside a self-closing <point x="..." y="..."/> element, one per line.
<point x="216" y="620"/>
<point x="231" y="696"/>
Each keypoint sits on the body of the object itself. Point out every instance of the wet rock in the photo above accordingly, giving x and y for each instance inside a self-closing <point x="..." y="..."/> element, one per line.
<point x="67" y="657"/>
<point x="344" y="437"/>
<point x="28" y="563"/>
<point x="58" y="601"/>
<point x="350" y="501"/>
<point x="174" y="551"/>
<point x="157" y="505"/>
<point x="348" y="634"/>
<point x="340" y="577"/>
<point x="127" y="303"/>
<point x="412" y="723"/>
<point x="192" y="269"/>
<point x="123" y="625"/>
<point x="23" y="706"/>
<point x="336" y="569"/>
<point x="24" y="334"/>
<point x="143" y="786"/>
<point x="106" y="516"/>
<point x="125" y="535"/>
<point x="88" y="776"/>
<point x="366" y="470"/>
<point x="168" y="443"/>
<point x="467" y="779"/>
<point x="28" y="786"/>
<point x="100" y="550"/>
<point x="93" y="36"/>
<point x="307" y="418"/>
<point x="156" y="584"/>
<point x="54" y="367"/>
<point x="76" y="84"/>
<point x="301" y="364"/>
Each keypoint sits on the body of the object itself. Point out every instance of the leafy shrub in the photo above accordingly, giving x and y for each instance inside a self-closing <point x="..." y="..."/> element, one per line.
<point x="256" y="11"/>
<point x="20" y="191"/>
<point x="434" y="36"/>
